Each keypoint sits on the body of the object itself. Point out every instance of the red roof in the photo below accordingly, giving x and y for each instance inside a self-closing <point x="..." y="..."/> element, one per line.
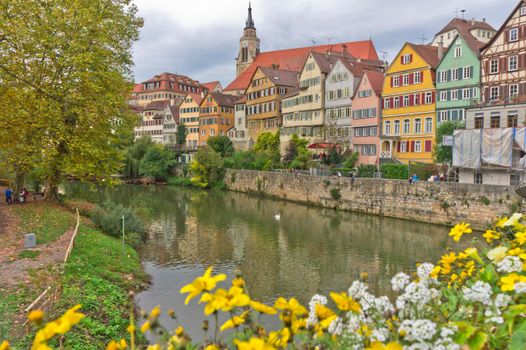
<point x="293" y="59"/>
<point x="196" y="97"/>
<point x="376" y="79"/>
<point x="169" y="82"/>
<point x="210" y="86"/>
<point x="428" y="52"/>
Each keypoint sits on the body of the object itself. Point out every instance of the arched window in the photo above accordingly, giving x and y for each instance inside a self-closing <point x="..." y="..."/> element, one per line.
<point x="387" y="128"/>
<point x="407" y="126"/>
<point x="397" y="127"/>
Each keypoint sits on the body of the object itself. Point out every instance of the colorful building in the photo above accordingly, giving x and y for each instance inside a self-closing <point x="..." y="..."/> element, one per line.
<point x="189" y="117"/>
<point x="238" y="134"/>
<point x="480" y="30"/>
<point x="263" y="100"/>
<point x="366" y="111"/>
<point x="216" y="115"/>
<point x="458" y="78"/>
<point x="408" y="101"/>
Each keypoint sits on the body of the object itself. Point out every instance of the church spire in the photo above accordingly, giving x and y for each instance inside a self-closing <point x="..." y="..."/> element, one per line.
<point x="250" y="21"/>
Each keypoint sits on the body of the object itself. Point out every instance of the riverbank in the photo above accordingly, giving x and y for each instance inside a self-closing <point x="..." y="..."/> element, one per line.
<point x="98" y="275"/>
<point x="438" y="203"/>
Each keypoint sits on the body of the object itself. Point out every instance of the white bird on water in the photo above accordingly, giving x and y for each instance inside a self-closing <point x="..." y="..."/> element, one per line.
<point x="277" y="217"/>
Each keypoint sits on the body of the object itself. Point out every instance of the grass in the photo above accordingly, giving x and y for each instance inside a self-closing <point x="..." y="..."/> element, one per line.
<point x="11" y="301"/>
<point x="48" y="222"/>
<point x="29" y="254"/>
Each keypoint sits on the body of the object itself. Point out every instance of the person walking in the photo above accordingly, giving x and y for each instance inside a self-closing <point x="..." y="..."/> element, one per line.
<point x="8" y="195"/>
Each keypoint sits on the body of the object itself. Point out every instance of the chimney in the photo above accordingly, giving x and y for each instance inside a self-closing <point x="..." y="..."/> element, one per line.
<point x="345" y="51"/>
<point x="275" y="66"/>
<point x="440" y="50"/>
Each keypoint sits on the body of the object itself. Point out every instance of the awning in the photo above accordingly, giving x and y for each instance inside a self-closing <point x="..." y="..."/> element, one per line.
<point x="322" y="145"/>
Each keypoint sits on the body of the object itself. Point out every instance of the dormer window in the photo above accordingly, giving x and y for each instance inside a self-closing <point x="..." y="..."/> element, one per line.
<point x="523" y="11"/>
<point x="406" y="59"/>
<point x="514" y="34"/>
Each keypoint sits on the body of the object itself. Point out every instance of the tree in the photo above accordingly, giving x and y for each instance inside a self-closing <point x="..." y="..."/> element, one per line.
<point x="207" y="168"/>
<point x="267" y="142"/>
<point x="222" y="145"/>
<point x="180" y="137"/>
<point x="71" y="61"/>
<point x="444" y="154"/>
<point x="157" y="162"/>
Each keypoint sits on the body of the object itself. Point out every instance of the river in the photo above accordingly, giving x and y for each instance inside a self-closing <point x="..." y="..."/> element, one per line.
<point x="310" y="250"/>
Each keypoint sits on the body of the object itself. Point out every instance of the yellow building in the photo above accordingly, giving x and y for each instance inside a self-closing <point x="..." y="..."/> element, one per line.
<point x="264" y="95"/>
<point x="189" y="117"/>
<point x="408" y="98"/>
<point x="216" y="116"/>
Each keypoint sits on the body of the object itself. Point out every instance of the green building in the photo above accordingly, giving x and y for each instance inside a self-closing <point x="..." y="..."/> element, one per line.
<point x="458" y="78"/>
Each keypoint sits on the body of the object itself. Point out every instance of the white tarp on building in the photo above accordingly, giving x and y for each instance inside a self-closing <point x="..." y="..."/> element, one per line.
<point x="497" y="147"/>
<point x="467" y="148"/>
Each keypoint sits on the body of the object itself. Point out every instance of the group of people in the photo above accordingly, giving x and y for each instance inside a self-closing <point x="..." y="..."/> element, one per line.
<point x="433" y="178"/>
<point x="11" y="197"/>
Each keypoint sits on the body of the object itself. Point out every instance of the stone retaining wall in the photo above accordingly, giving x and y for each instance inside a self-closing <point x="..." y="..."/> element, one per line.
<point x="440" y="203"/>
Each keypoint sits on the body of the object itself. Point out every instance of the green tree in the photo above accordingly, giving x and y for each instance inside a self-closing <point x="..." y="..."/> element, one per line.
<point x="444" y="154"/>
<point x="207" y="168"/>
<point x="71" y="62"/>
<point x="222" y="145"/>
<point x="267" y="142"/>
<point x="181" y="134"/>
<point x="157" y="162"/>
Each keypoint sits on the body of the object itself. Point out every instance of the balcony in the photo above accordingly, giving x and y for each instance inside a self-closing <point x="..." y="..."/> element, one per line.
<point x="499" y="101"/>
<point x="386" y="154"/>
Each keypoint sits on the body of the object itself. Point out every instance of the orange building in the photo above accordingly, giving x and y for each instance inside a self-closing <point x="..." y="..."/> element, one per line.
<point x="216" y="115"/>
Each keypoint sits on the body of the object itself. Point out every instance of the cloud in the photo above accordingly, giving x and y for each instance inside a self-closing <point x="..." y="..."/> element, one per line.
<point x="200" y="39"/>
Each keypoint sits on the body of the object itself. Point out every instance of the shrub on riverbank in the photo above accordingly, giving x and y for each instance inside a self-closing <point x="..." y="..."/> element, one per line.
<point x="109" y="219"/>
<point x="180" y="181"/>
<point x="207" y="168"/>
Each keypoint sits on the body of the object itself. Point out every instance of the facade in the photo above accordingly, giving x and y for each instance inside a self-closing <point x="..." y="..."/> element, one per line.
<point x="480" y="30"/>
<point x="152" y="118"/>
<point x="170" y="123"/>
<point x="366" y="113"/>
<point x="189" y="117"/>
<point x="458" y="78"/>
<point x="239" y="134"/>
<point x="408" y="105"/>
<point x="263" y="100"/>
<point x="248" y="45"/>
<point x="216" y="116"/>
<point x="213" y="86"/>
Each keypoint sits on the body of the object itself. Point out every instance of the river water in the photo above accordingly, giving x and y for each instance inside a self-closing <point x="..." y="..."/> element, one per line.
<point x="310" y="250"/>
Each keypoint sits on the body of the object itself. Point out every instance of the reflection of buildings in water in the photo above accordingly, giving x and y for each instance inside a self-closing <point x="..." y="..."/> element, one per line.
<point x="238" y="234"/>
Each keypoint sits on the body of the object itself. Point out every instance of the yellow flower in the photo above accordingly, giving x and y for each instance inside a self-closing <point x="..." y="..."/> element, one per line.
<point x="262" y="308"/>
<point x="473" y="253"/>
<point x="238" y="282"/>
<point x="501" y="222"/>
<point x="146" y="327"/>
<point x="292" y="305"/>
<point x="514" y="221"/>
<point x="113" y="345"/>
<point x="497" y="254"/>
<point x="36" y="316"/>
<point x="207" y="282"/>
<point x="212" y="347"/>
<point x="345" y="303"/>
<point x="491" y="235"/>
<point x="234" y="322"/>
<point x="448" y="258"/>
<point x="60" y="326"/>
<point x="298" y="325"/>
<point x="224" y="300"/>
<point x="253" y="344"/>
<point x="280" y="338"/>
<point x="508" y="282"/>
<point x="379" y="346"/>
<point x="156" y="311"/>
<point x="4" y="345"/>
<point x="459" y="230"/>
<point x="520" y="238"/>
<point x="154" y="347"/>
<point x="179" y="331"/>
<point x="435" y="272"/>
<point x="325" y="317"/>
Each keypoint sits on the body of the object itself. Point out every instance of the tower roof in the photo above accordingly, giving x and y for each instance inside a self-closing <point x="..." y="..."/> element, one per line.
<point x="250" y="21"/>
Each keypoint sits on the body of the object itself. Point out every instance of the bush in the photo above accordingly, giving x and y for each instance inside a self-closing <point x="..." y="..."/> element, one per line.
<point x="157" y="162"/>
<point x="179" y="181"/>
<point x="395" y="171"/>
<point x="109" y="220"/>
<point x="207" y="168"/>
<point x="366" y="170"/>
<point x="222" y="145"/>
<point x="335" y="194"/>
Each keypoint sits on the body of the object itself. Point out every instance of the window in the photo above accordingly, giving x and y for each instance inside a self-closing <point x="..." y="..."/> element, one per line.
<point x="406" y="100"/>
<point x="479" y="121"/>
<point x="397" y="127"/>
<point x="454" y="95"/>
<point x="495" y="121"/>
<point x="428" y="98"/>
<point x="513" y="119"/>
<point x="418" y="146"/>
<point x="443" y="95"/>
<point x="443" y="76"/>
<point x="523" y="11"/>
<point x="494" y="66"/>
<point x="212" y="132"/>
<point x="475" y="93"/>
<point x="403" y="147"/>
<point x="396" y="102"/>
<point x="418" y="126"/>
<point x="514" y="34"/>
<point x="418" y="77"/>
<point x="512" y="63"/>
<point x="429" y="125"/>
<point x="468" y="72"/>
<point x="406" y="79"/>
<point x="514" y="90"/>
<point x="466" y="94"/>
<point x="417" y="99"/>
<point x="458" y="52"/>
<point x="387" y="103"/>
<point x="396" y="81"/>
<point x="494" y="93"/>
<point x="407" y="126"/>
<point x="387" y="128"/>
<point x="477" y="178"/>
<point x="454" y="74"/>
<point x="443" y="116"/>
<point x="203" y="132"/>
<point x="406" y="59"/>
<point x="310" y="66"/>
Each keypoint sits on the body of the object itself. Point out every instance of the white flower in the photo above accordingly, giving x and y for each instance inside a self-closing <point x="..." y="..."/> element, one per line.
<point x="357" y="290"/>
<point x="479" y="292"/>
<point x="445" y="344"/>
<point x="514" y="220"/>
<point x="497" y="254"/>
<point x="399" y="281"/>
<point x="496" y="319"/>
<point x="446" y="332"/>
<point x="502" y="300"/>
<point x="367" y="301"/>
<point x="336" y="327"/>
<point x="383" y="306"/>
<point x="419" y="346"/>
<point x="315" y="300"/>
<point x="510" y="264"/>
<point x="520" y="287"/>
<point x="418" y="330"/>
<point x="424" y="270"/>
<point x="380" y="334"/>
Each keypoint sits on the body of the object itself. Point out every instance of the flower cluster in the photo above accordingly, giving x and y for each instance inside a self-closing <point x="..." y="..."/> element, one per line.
<point x="470" y="299"/>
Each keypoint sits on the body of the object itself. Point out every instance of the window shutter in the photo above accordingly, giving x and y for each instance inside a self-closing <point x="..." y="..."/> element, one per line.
<point x="486" y="94"/>
<point x="471" y="71"/>
<point x="411" y="78"/>
<point x="522" y="61"/>
<point x="392" y="102"/>
<point x="412" y="146"/>
<point x="402" y="59"/>
<point x="392" y="81"/>
<point x="522" y="88"/>
<point x="449" y="75"/>
<point x="506" y="36"/>
<point x="433" y="97"/>
<point x="503" y="65"/>
<point x="460" y="73"/>
<point x="486" y="67"/>
<point x="411" y="100"/>
<point x="422" y="76"/>
<point x="428" y="146"/>
<point x="504" y="89"/>
<point x="410" y="58"/>
<point x="398" y="146"/>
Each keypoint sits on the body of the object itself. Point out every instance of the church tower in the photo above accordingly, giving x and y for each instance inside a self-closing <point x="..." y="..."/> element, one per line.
<point x="248" y="45"/>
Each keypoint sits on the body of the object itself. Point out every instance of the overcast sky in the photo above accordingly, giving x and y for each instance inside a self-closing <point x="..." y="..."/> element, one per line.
<point x="200" y="38"/>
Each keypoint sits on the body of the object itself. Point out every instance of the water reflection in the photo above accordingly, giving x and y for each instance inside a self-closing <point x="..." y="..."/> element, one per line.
<point x="311" y="250"/>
